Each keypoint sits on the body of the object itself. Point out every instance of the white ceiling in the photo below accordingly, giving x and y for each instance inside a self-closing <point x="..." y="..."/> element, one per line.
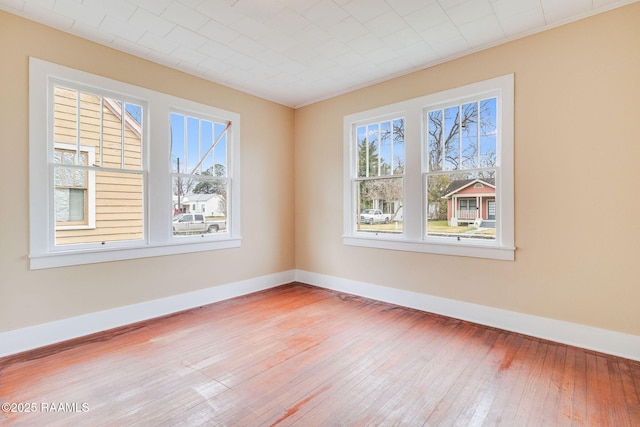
<point x="296" y="52"/>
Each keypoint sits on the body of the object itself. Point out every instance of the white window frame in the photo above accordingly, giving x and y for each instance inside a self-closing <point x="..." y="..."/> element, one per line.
<point x="193" y="206"/>
<point x="414" y="237"/>
<point x="354" y="156"/>
<point x="158" y="207"/>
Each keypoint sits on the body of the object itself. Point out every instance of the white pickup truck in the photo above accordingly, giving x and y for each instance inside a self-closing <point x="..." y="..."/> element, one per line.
<point x="188" y="223"/>
<point x="374" y="216"/>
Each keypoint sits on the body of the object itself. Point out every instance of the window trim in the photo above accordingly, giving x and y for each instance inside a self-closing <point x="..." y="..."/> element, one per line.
<point x="355" y="179"/>
<point x="414" y="237"/>
<point x="193" y="174"/>
<point x="157" y="239"/>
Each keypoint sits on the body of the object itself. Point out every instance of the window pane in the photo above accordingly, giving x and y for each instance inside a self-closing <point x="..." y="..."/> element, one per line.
<point x="220" y="153"/>
<point x="90" y="117"/>
<point x="398" y="147"/>
<point x="64" y="115"/>
<point x="462" y="205"/>
<point x="193" y="146"/>
<point x="363" y="165"/>
<point x="380" y="205"/>
<point x="198" y="146"/>
<point x="386" y="159"/>
<point x="206" y="196"/>
<point x="69" y="177"/>
<point x="488" y="132"/>
<point x="70" y="205"/>
<point x="118" y="211"/>
<point x="451" y="137"/>
<point x="77" y="204"/>
<point x="177" y="143"/>
<point x="435" y="147"/>
<point x="380" y="150"/>
<point x="206" y="153"/>
<point x="112" y="134"/>
<point x="469" y="129"/>
<point x="373" y="149"/>
<point x="133" y="137"/>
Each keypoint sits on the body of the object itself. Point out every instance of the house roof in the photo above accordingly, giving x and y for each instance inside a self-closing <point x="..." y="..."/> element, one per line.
<point x="130" y="122"/>
<point x="199" y="197"/>
<point x="461" y="184"/>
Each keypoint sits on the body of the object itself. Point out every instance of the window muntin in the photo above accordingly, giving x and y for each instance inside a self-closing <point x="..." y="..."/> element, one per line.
<point x="199" y="159"/>
<point x="462" y="164"/>
<point x="380" y="163"/>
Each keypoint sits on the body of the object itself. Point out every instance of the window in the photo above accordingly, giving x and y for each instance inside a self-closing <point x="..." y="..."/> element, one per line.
<point x="380" y="171"/>
<point x="100" y="191"/>
<point x="199" y="165"/>
<point x="74" y="189"/>
<point x="461" y="168"/>
<point x="434" y="174"/>
<point x="97" y="166"/>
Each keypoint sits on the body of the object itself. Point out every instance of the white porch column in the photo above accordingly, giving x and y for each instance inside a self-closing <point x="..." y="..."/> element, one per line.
<point x="454" y="217"/>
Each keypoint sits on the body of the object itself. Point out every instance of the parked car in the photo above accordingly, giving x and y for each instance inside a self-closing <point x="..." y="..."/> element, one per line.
<point x="196" y="223"/>
<point x="374" y="216"/>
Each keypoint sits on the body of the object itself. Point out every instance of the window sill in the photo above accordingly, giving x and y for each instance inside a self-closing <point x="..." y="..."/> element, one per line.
<point x="465" y="249"/>
<point x="80" y="257"/>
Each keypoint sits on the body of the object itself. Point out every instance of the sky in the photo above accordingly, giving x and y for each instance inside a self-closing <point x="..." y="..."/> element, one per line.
<point x="191" y="138"/>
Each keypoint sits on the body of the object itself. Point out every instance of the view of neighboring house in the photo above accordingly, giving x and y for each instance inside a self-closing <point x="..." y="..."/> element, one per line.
<point x="471" y="201"/>
<point x="97" y="179"/>
<point x="209" y="204"/>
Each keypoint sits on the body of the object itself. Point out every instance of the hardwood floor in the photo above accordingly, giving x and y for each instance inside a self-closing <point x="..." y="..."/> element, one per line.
<point x="305" y="356"/>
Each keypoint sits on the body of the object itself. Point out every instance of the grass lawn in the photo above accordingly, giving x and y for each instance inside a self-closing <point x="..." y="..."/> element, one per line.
<point x="432" y="227"/>
<point x="443" y="227"/>
<point x="392" y="227"/>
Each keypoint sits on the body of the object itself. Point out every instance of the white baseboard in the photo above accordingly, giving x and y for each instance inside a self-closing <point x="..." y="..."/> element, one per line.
<point x="601" y="340"/>
<point x="32" y="337"/>
<point x="610" y="342"/>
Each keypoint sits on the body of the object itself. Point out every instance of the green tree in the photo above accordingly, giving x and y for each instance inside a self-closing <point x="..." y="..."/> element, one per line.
<point x="368" y="159"/>
<point x="386" y="190"/>
<point x="214" y="186"/>
<point x="436" y="187"/>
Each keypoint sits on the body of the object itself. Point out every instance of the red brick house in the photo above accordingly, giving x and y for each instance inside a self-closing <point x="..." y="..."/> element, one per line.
<point x="471" y="201"/>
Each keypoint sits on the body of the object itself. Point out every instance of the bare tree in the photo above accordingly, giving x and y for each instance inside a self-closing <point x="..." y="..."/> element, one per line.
<point x="455" y="143"/>
<point x="455" y="134"/>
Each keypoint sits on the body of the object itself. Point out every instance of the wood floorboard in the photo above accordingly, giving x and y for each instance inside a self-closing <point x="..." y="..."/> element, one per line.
<point x="393" y="399"/>
<point x="353" y="363"/>
<point x="580" y="389"/>
<point x="480" y="386"/>
<point x="631" y="393"/>
<point x="437" y="375"/>
<point x="505" y="376"/>
<point x="463" y="380"/>
<point x="361" y="391"/>
<point x="298" y="355"/>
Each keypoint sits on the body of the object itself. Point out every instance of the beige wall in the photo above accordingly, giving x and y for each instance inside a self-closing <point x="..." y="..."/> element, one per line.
<point x="576" y="179"/>
<point x="577" y="150"/>
<point x="33" y="297"/>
